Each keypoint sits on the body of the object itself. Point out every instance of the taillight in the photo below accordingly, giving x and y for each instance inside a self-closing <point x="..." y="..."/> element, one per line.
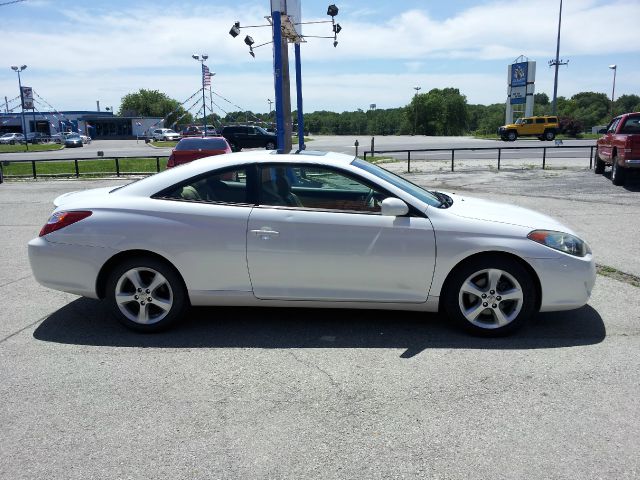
<point x="63" y="219"/>
<point x="171" y="161"/>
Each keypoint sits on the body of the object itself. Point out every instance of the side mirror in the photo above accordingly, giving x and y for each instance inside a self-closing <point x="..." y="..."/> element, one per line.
<point x="393" y="207"/>
<point x="602" y="131"/>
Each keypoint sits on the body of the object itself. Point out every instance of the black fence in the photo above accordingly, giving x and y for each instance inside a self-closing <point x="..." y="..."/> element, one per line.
<point x="117" y="170"/>
<point x="498" y="150"/>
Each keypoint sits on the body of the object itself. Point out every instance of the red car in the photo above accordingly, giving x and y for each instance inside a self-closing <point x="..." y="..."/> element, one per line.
<point x="189" y="149"/>
<point x="619" y="147"/>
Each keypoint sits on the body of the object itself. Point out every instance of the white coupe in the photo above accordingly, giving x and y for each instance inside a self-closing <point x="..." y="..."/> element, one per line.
<point x="312" y="229"/>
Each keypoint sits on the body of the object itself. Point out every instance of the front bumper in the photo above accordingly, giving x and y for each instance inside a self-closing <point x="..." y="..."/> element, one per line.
<point x="566" y="282"/>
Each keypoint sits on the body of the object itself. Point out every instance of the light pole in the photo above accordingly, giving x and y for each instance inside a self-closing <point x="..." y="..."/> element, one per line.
<point x="201" y="58"/>
<point x="613" y="90"/>
<point x="270" y="102"/>
<point x="24" y="125"/>
<point x="415" y="108"/>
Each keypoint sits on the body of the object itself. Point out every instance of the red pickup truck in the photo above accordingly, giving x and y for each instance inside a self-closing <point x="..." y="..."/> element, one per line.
<point x="619" y="147"/>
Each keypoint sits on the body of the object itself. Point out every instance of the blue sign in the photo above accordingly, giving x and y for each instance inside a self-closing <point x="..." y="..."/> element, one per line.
<point x="519" y="73"/>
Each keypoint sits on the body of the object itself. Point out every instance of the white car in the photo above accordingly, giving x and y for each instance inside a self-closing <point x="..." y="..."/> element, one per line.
<point x="165" y="134"/>
<point x="312" y="229"/>
<point x="11" y="138"/>
<point x="85" y="139"/>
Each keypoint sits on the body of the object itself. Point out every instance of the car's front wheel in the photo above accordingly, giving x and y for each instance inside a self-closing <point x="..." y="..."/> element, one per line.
<point x="549" y="135"/>
<point x="512" y="136"/>
<point x="490" y="296"/>
<point x="145" y="294"/>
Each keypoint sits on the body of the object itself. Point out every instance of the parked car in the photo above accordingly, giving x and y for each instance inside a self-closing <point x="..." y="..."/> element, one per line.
<point x="619" y="147"/>
<point x="11" y="138"/>
<point x="85" y="139"/>
<point x="189" y="149"/>
<point x="73" y="140"/>
<point x="164" y="134"/>
<point x="37" y="137"/>
<point x="249" y="136"/>
<point x="544" y="127"/>
<point x="192" y="131"/>
<point x="313" y="229"/>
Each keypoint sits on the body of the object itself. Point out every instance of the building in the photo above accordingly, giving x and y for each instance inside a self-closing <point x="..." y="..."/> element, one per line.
<point x="98" y="125"/>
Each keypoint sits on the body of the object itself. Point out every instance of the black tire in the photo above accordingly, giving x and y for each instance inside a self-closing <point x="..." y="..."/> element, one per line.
<point x="598" y="168"/>
<point x="504" y="138"/>
<point x="270" y="146"/>
<point x="234" y="147"/>
<point x="549" y="135"/>
<point x="170" y="293"/>
<point x="618" y="173"/>
<point x="494" y="316"/>
<point x="12" y="142"/>
<point x="512" y="135"/>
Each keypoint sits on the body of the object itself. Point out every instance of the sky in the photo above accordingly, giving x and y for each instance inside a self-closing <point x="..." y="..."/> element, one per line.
<point x="80" y="52"/>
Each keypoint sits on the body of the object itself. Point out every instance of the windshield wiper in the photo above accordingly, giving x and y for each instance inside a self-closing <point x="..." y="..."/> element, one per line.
<point x="445" y="200"/>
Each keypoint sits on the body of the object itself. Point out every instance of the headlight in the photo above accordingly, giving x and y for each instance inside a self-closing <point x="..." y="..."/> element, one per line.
<point x="563" y="242"/>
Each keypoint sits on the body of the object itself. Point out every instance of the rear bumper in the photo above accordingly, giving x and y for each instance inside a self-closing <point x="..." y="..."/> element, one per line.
<point x="68" y="268"/>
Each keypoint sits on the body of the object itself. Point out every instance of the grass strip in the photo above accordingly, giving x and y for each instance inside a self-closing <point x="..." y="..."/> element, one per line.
<point x="85" y="167"/>
<point x="628" y="278"/>
<point x="38" y="147"/>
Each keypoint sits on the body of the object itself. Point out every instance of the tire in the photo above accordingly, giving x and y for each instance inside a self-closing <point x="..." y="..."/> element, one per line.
<point x="12" y="142"/>
<point x="234" y="147"/>
<point x="129" y="280"/>
<point x="512" y="136"/>
<point x="270" y="146"/>
<point x="504" y="138"/>
<point x="549" y="135"/>
<point x="469" y="301"/>
<point x="618" y="173"/>
<point x="598" y="169"/>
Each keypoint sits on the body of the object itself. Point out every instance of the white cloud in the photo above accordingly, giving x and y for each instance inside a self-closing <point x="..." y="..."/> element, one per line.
<point x="92" y="55"/>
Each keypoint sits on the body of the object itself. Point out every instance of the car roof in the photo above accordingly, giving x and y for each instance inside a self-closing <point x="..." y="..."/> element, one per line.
<point x="153" y="184"/>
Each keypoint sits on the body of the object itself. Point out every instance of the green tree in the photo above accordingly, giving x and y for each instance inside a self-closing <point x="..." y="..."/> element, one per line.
<point x="151" y="103"/>
<point x="626" y="104"/>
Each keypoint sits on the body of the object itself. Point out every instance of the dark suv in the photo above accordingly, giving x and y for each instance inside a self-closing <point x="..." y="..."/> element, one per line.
<point x="243" y="136"/>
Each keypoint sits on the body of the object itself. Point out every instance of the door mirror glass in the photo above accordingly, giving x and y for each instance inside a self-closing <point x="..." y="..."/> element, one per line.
<point x="393" y="207"/>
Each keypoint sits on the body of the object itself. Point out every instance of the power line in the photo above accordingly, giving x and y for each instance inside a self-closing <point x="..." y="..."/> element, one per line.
<point x="9" y="3"/>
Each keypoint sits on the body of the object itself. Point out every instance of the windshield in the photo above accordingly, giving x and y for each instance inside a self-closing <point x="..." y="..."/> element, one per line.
<point x="518" y="121"/>
<point x="397" y="181"/>
<point x="262" y="130"/>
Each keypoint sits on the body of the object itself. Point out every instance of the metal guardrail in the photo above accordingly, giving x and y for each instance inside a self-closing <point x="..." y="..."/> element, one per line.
<point x="76" y="172"/>
<point x="473" y="149"/>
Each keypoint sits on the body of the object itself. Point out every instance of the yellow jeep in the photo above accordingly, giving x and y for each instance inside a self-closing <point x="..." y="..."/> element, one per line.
<point x="545" y="128"/>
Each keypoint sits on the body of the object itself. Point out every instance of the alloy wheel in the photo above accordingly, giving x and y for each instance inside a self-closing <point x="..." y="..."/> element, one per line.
<point x="143" y="295"/>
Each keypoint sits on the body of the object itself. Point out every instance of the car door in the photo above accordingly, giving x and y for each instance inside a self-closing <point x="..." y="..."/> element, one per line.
<point x="319" y="235"/>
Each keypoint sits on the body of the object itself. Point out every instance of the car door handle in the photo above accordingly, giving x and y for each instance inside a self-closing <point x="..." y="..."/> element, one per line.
<point x="265" y="233"/>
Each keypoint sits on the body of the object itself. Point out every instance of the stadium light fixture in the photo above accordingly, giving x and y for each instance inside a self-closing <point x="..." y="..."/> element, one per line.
<point x="235" y="30"/>
<point x="332" y="11"/>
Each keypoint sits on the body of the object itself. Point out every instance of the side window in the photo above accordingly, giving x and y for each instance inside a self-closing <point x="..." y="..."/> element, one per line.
<point x="539" y="120"/>
<point x="613" y="126"/>
<point x="317" y="188"/>
<point x="229" y="186"/>
<point x="631" y="125"/>
<point x="552" y="120"/>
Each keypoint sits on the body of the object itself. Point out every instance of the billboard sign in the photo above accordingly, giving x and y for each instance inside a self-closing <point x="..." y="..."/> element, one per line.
<point x="27" y="98"/>
<point x="518" y="95"/>
<point x="519" y="74"/>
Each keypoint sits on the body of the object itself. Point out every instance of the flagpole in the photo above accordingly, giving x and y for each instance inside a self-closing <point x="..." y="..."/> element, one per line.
<point x="204" y="104"/>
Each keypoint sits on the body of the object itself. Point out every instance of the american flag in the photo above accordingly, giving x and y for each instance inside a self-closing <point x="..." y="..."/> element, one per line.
<point x="206" y="76"/>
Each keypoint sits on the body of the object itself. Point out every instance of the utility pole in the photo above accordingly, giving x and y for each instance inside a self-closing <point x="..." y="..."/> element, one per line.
<point x="556" y="63"/>
<point x="613" y="90"/>
<point x="24" y="125"/>
<point x="415" y="108"/>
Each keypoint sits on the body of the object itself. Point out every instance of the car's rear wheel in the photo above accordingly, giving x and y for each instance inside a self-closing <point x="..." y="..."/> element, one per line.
<point x="549" y="135"/>
<point x="490" y="296"/>
<point x="270" y="146"/>
<point x="12" y="142"/>
<point x="598" y="169"/>
<point x="618" y="173"/>
<point x="146" y="294"/>
<point x="512" y="136"/>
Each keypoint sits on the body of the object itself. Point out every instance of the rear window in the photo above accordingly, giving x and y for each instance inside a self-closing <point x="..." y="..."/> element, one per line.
<point x="631" y="125"/>
<point x="201" y="144"/>
<point x="552" y="120"/>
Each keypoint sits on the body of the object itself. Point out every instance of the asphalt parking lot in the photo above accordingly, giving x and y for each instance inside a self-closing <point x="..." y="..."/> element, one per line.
<point x="291" y="393"/>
